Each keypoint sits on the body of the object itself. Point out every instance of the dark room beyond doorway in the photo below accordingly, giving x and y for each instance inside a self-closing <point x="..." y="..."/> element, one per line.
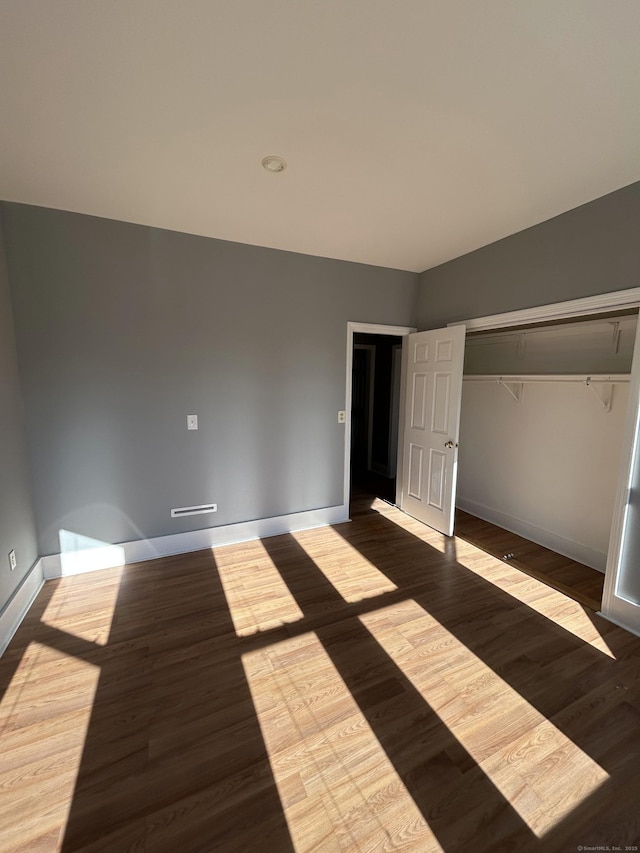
<point x="374" y="415"/>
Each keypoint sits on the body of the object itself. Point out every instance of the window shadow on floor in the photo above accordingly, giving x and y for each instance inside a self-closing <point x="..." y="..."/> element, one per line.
<point x="174" y="759"/>
<point x="14" y="655"/>
<point x="425" y="754"/>
<point x="592" y="698"/>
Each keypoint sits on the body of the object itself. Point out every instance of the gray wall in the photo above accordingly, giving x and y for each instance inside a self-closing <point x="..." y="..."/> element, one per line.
<point x="123" y="330"/>
<point x="592" y="249"/>
<point x="17" y="526"/>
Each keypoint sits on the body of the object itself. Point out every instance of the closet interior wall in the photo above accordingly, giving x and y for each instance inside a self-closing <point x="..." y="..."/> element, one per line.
<point x="541" y="431"/>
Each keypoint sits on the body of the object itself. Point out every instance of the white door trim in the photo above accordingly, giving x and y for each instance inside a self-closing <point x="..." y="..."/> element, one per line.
<point x="614" y="606"/>
<point x="616" y="300"/>
<point x="352" y="329"/>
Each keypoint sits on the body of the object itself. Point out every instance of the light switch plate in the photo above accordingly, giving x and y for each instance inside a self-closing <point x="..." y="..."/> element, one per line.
<point x="192" y="422"/>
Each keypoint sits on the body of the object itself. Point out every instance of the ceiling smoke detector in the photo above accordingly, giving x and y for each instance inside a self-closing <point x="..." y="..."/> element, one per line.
<point x="274" y="164"/>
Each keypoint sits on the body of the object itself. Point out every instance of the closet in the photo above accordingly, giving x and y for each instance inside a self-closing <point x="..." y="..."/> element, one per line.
<point x="541" y="433"/>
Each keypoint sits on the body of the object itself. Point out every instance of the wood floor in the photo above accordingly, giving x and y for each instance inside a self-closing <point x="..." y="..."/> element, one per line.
<point x="367" y="687"/>
<point x="574" y="579"/>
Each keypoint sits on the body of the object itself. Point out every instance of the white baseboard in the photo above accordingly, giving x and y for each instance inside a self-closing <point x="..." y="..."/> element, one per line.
<point x="567" y="547"/>
<point x="18" y="605"/>
<point x="109" y="556"/>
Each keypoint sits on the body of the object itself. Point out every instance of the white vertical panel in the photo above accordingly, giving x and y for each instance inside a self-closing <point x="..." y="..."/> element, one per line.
<point x="621" y="597"/>
<point x="415" y="471"/>
<point x="440" y="408"/>
<point x="418" y="400"/>
<point x="437" y="469"/>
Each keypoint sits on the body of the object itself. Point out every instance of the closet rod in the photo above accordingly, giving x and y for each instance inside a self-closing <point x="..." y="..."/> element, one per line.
<point x="585" y="379"/>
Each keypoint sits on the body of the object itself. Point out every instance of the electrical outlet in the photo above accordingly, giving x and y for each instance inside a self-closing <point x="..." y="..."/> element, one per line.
<point x="12" y="559"/>
<point x="342" y="416"/>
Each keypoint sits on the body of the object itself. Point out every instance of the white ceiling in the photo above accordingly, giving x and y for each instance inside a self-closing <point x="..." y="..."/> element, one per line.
<point x="415" y="131"/>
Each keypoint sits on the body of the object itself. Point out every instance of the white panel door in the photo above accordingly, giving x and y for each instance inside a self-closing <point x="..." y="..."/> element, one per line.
<point x="433" y="392"/>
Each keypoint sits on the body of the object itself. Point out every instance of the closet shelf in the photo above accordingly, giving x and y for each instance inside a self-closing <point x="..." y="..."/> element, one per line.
<point x="585" y="379"/>
<point x="519" y="336"/>
<point x="601" y="384"/>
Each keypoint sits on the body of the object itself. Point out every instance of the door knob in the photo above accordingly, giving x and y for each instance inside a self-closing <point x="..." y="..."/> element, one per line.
<point x="449" y="444"/>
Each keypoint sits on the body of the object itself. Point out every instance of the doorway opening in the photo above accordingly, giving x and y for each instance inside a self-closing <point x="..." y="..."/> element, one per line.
<point x="375" y="412"/>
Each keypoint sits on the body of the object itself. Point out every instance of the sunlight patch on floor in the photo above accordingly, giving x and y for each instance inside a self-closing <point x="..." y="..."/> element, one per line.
<point x="41" y="753"/>
<point x="257" y="597"/>
<point x="338" y="788"/>
<point x="438" y="541"/>
<point x="36" y="696"/>
<point x="538" y="596"/>
<point x="68" y="611"/>
<point x="548" y="602"/>
<point x="346" y="569"/>
<point x="537" y="768"/>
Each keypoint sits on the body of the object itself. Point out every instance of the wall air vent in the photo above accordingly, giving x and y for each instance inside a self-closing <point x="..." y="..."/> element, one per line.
<point x="179" y="511"/>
